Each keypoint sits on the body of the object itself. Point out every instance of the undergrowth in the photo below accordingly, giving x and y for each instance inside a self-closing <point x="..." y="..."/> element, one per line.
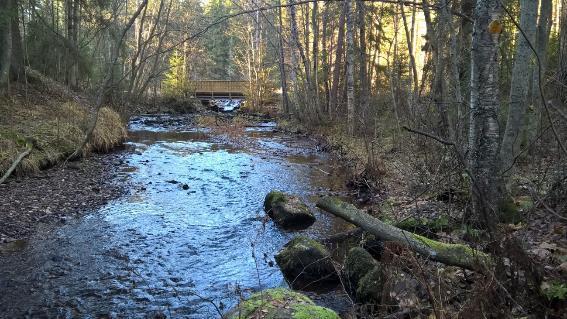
<point x="54" y="124"/>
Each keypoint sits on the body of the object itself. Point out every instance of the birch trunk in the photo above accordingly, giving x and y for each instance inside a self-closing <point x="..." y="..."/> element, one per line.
<point x="484" y="106"/>
<point x="350" y="67"/>
<point x="283" y="78"/>
<point x="520" y="84"/>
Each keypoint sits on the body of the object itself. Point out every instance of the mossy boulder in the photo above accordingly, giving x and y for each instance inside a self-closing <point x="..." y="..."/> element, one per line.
<point x="307" y="265"/>
<point x="280" y="303"/>
<point x="288" y="211"/>
<point x="363" y="275"/>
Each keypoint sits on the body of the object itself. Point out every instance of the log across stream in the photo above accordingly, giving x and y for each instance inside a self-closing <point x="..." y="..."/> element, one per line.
<point x="189" y="230"/>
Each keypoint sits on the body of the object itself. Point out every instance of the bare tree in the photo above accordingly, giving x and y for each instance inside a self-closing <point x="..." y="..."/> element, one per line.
<point x="350" y="66"/>
<point x="484" y="133"/>
<point x="520" y="83"/>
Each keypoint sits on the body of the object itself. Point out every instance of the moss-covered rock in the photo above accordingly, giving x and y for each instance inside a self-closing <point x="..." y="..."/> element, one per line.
<point x="363" y="275"/>
<point x="280" y="303"/>
<point x="370" y="286"/>
<point x="306" y="264"/>
<point x="288" y="211"/>
<point x="357" y="264"/>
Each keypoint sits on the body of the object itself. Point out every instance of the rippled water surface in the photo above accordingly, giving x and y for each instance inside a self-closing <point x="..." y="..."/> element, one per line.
<point x="189" y="233"/>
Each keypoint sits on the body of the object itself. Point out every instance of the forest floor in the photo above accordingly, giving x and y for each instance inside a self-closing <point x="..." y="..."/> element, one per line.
<point x="51" y="120"/>
<point x="411" y="188"/>
<point x="54" y="195"/>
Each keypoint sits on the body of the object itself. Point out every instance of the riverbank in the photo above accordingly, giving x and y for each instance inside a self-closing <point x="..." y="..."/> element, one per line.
<point x="417" y="184"/>
<point x="50" y="120"/>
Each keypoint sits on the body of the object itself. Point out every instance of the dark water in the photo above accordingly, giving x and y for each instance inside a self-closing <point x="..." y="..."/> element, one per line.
<point x="188" y="237"/>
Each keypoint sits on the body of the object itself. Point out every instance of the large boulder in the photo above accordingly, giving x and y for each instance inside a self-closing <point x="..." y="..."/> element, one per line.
<point x="280" y="303"/>
<point x="307" y="265"/>
<point x="364" y="276"/>
<point x="288" y="211"/>
<point x="371" y="282"/>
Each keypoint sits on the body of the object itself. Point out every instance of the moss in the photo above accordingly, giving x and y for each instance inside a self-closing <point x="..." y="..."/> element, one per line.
<point x="370" y="286"/>
<point x="524" y="202"/>
<point x="508" y="211"/>
<point x="273" y="198"/>
<point x="457" y="253"/>
<point x="424" y="225"/>
<point x="357" y="264"/>
<point x="306" y="242"/>
<point x="56" y="129"/>
<point x="303" y="311"/>
<point x="280" y="303"/>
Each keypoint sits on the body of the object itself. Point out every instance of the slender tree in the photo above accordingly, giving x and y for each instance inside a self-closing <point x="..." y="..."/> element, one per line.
<point x="484" y="131"/>
<point x="520" y="83"/>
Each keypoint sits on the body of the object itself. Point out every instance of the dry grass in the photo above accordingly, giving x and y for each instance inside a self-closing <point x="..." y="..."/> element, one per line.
<point x="56" y="126"/>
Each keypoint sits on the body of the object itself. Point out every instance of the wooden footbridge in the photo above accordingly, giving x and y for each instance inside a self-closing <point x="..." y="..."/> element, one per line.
<point x="218" y="89"/>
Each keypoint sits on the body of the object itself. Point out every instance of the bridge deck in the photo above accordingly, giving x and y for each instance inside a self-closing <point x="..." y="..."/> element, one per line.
<point x="213" y="88"/>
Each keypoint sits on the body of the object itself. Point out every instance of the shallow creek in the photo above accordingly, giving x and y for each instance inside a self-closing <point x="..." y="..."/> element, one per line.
<point x="187" y="239"/>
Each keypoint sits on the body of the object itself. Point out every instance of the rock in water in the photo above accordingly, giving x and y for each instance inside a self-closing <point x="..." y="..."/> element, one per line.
<point x="288" y="211"/>
<point x="280" y="303"/>
<point x="307" y="265"/>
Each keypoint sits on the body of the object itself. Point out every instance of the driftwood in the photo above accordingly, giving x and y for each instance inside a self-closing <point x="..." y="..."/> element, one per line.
<point x="450" y="254"/>
<point x="16" y="163"/>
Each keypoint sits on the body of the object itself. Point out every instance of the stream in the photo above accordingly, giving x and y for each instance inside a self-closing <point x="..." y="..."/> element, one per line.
<point x="188" y="238"/>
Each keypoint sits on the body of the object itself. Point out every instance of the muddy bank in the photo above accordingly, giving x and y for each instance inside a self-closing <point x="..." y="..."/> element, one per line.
<point x="55" y="195"/>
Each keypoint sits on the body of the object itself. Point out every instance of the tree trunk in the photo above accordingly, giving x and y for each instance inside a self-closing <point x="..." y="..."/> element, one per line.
<point x="484" y="106"/>
<point x="72" y="12"/>
<point x="333" y="101"/>
<point x="542" y="40"/>
<point x="17" y="68"/>
<point x="350" y="67"/>
<point x="5" y="43"/>
<point x="450" y="254"/>
<point x="325" y="57"/>
<point x="409" y="40"/>
<point x="562" y="72"/>
<point x="520" y="84"/>
<point x="281" y="56"/>
<point x="363" y="75"/>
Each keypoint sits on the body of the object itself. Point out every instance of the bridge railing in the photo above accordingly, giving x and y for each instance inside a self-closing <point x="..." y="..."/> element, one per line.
<point x="215" y="87"/>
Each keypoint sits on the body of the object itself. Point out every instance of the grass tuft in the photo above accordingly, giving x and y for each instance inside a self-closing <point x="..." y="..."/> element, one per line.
<point x="55" y="125"/>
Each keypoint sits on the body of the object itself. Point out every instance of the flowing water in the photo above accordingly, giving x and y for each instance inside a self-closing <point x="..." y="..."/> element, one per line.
<point x="188" y="237"/>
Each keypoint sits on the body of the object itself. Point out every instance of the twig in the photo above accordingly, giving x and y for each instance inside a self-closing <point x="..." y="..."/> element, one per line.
<point x="437" y="138"/>
<point x="16" y="162"/>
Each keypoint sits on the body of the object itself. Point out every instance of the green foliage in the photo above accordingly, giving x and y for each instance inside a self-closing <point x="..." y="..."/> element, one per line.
<point x="554" y="290"/>
<point x="175" y="82"/>
<point x="280" y="303"/>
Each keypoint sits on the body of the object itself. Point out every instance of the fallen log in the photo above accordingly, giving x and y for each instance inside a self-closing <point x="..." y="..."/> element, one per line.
<point x="450" y="254"/>
<point x="16" y="163"/>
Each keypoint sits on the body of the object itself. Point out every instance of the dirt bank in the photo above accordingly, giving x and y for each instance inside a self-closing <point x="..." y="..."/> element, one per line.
<point x="53" y="196"/>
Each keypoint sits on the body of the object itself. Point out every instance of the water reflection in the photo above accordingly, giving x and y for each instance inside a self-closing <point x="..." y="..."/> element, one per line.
<point x="190" y="230"/>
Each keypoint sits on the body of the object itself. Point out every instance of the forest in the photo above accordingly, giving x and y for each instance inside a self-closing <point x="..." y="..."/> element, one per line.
<point x="283" y="159"/>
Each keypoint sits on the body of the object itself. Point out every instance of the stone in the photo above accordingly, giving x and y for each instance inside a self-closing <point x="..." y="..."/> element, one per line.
<point x="306" y="264"/>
